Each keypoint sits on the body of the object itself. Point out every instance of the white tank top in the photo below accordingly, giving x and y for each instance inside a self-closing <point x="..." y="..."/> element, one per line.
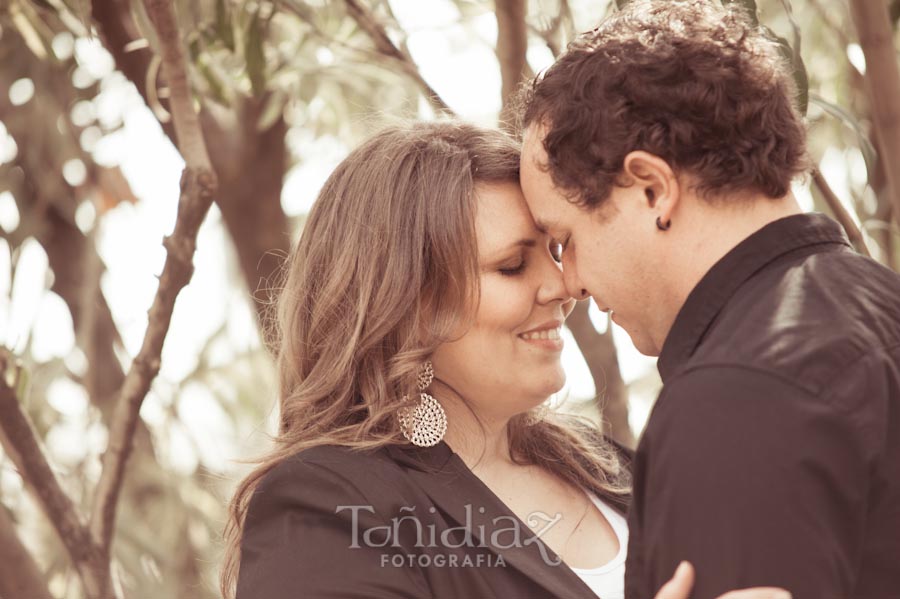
<point x="608" y="581"/>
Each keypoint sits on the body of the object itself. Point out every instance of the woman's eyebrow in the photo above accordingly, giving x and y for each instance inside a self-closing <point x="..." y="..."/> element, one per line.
<point x="527" y="242"/>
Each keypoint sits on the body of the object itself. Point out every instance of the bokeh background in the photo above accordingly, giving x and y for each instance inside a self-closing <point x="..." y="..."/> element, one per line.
<point x="89" y="186"/>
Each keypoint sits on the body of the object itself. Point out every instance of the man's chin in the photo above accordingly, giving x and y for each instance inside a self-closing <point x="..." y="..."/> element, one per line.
<point x="643" y="343"/>
<point x="650" y="352"/>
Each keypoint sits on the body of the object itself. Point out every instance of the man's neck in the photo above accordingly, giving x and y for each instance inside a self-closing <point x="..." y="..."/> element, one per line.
<point x="710" y="230"/>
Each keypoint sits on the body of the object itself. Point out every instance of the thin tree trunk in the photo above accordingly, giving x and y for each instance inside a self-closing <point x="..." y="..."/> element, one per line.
<point x="840" y="213"/>
<point x="251" y="166"/>
<point x="873" y="25"/>
<point x="599" y="352"/>
<point x="882" y="230"/>
<point x="512" y="48"/>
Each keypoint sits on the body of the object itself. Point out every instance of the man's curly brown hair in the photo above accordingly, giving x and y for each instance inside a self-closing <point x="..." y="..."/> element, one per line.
<point x="689" y="81"/>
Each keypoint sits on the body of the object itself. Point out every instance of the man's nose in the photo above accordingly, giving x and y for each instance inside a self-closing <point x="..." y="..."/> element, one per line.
<point x="571" y="280"/>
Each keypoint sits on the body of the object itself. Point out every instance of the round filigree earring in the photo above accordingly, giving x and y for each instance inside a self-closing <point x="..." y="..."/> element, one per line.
<point x="425" y="423"/>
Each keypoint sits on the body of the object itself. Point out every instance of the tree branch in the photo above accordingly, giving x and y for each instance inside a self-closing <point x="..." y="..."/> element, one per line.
<point x="512" y="46"/>
<point x="250" y="165"/>
<point x="117" y="30"/>
<point x="21" y="443"/>
<point x="599" y="352"/>
<point x="250" y="205"/>
<point x="840" y="213"/>
<point x="198" y="184"/>
<point x="873" y="25"/>
<point x="827" y="18"/>
<point x="19" y="574"/>
<point x="369" y="23"/>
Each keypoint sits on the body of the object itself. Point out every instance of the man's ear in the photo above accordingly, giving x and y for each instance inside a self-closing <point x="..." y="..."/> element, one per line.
<point x="656" y="179"/>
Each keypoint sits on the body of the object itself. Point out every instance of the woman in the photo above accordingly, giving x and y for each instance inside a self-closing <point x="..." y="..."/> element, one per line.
<point x="418" y="337"/>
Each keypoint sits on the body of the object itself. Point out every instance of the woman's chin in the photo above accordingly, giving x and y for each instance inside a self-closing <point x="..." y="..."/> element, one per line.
<point x="550" y="385"/>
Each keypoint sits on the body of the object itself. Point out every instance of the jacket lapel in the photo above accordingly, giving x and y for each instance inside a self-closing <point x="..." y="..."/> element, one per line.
<point x="445" y="478"/>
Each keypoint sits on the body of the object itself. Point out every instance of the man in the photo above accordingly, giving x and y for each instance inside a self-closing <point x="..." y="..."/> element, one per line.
<point x="659" y="150"/>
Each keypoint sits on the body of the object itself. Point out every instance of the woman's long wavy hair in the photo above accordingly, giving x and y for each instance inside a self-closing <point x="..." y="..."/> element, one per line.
<point x="385" y="270"/>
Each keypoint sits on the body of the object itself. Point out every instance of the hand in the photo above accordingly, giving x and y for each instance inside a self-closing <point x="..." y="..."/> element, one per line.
<point x="679" y="587"/>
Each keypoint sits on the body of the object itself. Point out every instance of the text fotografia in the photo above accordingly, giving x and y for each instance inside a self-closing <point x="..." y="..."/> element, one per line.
<point x="506" y="533"/>
<point x="423" y="560"/>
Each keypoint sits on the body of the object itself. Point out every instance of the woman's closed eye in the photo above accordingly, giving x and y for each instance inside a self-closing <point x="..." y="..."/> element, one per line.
<point x="513" y="270"/>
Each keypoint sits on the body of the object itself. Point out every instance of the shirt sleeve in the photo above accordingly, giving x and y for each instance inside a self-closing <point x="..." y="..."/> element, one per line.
<point x="305" y="536"/>
<point x="756" y="481"/>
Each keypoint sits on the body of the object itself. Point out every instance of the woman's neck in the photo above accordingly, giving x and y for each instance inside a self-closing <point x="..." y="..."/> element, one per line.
<point x="481" y="442"/>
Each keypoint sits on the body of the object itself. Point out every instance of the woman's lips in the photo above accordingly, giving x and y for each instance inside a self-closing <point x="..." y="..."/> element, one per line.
<point x="550" y="339"/>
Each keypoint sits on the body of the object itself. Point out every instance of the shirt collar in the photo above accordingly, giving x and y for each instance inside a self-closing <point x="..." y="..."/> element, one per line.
<point x="436" y="458"/>
<point x="720" y="283"/>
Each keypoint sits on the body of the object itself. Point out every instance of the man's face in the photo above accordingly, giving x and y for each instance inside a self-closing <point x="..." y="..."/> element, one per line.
<point x="609" y="252"/>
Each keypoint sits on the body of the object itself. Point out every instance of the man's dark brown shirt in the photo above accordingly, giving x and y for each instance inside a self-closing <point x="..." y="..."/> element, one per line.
<point x="772" y="456"/>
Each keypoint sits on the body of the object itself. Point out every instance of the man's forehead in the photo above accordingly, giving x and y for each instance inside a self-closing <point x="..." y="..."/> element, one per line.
<point x="545" y="226"/>
<point x="533" y="144"/>
<point x="540" y="191"/>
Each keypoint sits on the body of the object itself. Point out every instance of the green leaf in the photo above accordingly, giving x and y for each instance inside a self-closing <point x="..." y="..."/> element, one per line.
<point x="870" y="155"/>
<point x="798" y="68"/>
<point x="35" y="34"/>
<point x="800" y="75"/>
<point x="272" y="111"/>
<point x="254" y="54"/>
<point x="223" y="28"/>
<point x="307" y="88"/>
<point x="142" y="22"/>
<point x="217" y="91"/>
<point x="82" y="10"/>
<point x="194" y="46"/>
<point x="801" y="78"/>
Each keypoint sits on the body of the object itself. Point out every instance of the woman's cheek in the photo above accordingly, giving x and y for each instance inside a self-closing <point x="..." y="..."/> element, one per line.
<point x="506" y="303"/>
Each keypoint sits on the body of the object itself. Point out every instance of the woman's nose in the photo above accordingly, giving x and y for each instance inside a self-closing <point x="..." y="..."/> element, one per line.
<point x="553" y="286"/>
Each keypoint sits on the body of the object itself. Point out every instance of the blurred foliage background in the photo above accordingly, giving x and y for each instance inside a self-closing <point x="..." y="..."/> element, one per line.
<point x="89" y="185"/>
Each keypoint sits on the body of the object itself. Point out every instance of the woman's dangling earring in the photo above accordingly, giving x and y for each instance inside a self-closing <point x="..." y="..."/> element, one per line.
<point x="661" y="226"/>
<point x="425" y="423"/>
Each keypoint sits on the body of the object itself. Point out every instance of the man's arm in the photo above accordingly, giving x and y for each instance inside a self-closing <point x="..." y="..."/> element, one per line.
<point x="755" y="481"/>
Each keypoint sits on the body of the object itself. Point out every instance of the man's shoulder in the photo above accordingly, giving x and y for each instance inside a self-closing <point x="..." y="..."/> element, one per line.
<point x="807" y="320"/>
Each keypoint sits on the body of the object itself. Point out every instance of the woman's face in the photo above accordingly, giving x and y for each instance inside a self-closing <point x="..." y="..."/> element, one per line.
<point x="508" y="359"/>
